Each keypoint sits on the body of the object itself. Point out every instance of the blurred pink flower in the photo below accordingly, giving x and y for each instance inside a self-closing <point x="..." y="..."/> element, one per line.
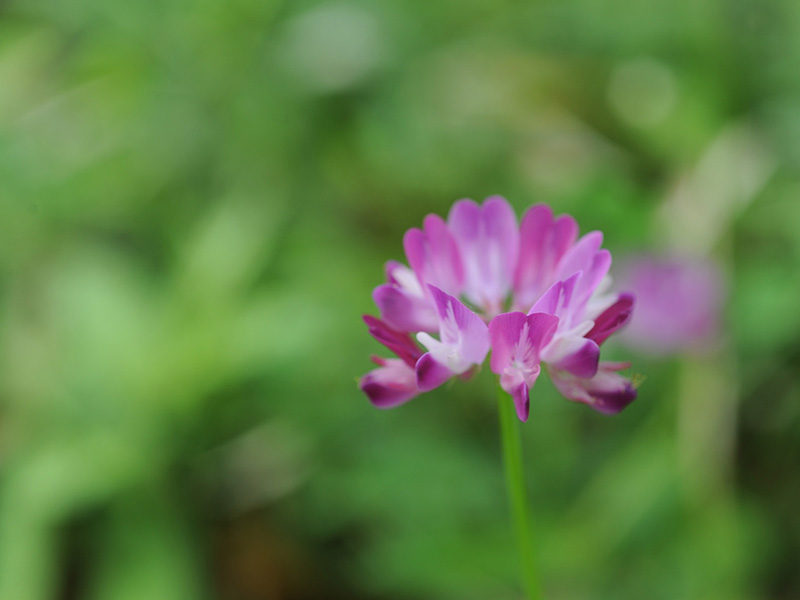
<point x="464" y="272"/>
<point x="678" y="304"/>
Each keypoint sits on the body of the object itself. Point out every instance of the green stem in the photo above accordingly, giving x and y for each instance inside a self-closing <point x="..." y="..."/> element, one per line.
<point x="515" y="482"/>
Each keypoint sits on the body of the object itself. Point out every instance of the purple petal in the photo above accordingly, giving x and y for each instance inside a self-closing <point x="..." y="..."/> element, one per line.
<point x="516" y="341"/>
<point x="614" y="401"/>
<point x="415" y="244"/>
<point x="550" y="300"/>
<point x="606" y="392"/>
<point x="404" y="311"/>
<point x="563" y="235"/>
<point x="398" y="342"/>
<point x="512" y="342"/>
<point x="501" y="247"/>
<point x="403" y="277"/>
<point x="582" y="360"/>
<point x="488" y="239"/>
<point x="522" y="401"/>
<point x="557" y="300"/>
<point x="596" y="270"/>
<point x="580" y="256"/>
<point x="464" y="220"/>
<point x="395" y="273"/>
<point x="393" y="383"/>
<point x="534" y="232"/>
<point x="504" y="332"/>
<point x="433" y="255"/>
<point x="541" y="329"/>
<point x="461" y="327"/>
<point x="430" y="373"/>
<point x="612" y="319"/>
<point x="543" y="243"/>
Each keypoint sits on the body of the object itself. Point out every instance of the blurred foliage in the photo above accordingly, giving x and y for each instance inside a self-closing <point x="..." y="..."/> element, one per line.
<point x="196" y="199"/>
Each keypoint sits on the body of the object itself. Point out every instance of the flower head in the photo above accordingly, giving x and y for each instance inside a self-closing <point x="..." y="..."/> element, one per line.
<point x="532" y="294"/>
<point x="680" y="302"/>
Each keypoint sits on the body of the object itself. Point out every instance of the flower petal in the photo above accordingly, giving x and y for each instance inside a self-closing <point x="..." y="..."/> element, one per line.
<point x="430" y="373"/>
<point x="403" y="277"/>
<point x="606" y="392"/>
<point x="557" y="300"/>
<point x="612" y="319"/>
<point x="488" y="239"/>
<point x="461" y="330"/>
<point x="434" y="256"/>
<point x="550" y="300"/>
<point x="533" y="257"/>
<point x="579" y="356"/>
<point x="592" y="276"/>
<point x="404" y="311"/>
<point x="504" y="332"/>
<point x="513" y="342"/>
<point x="516" y="341"/>
<point x="580" y="256"/>
<point x="393" y="383"/>
<point x="522" y="401"/>
<point x="398" y="342"/>
<point x="543" y="242"/>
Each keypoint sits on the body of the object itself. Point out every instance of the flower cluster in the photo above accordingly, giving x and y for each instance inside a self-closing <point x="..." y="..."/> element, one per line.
<point x="679" y="304"/>
<point x="464" y="272"/>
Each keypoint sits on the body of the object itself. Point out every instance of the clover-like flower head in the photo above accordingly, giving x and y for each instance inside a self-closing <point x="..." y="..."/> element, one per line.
<point x="532" y="293"/>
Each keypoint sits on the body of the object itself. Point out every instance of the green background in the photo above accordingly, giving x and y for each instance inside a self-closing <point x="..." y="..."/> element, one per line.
<point x="196" y="200"/>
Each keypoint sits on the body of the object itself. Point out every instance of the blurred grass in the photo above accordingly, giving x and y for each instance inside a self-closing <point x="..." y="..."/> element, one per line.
<point x="196" y="199"/>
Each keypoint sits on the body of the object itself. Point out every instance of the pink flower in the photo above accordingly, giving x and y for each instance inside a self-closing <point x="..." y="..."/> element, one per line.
<point x="463" y="342"/>
<point x="606" y="391"/>
<point x="679" y="304"/>
<point x="463" y="275"/>
<point x="516" y="343"/>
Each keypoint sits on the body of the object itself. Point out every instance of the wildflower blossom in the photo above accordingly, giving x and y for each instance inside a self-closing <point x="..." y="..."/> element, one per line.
<point x="462" y="275"/>
<point x="679" y="304"/>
